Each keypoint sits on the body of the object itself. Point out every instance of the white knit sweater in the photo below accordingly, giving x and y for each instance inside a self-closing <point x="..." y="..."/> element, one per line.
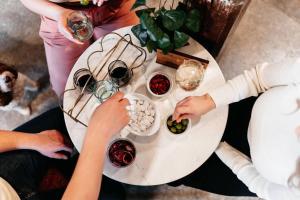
<point x="273" y="172"/>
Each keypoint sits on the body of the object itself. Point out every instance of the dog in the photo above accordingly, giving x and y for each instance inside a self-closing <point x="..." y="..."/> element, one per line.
<point x="15" y="90"/>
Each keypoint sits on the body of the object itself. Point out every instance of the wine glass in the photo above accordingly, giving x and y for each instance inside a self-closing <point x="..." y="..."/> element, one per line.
<point x="80" y="25"/>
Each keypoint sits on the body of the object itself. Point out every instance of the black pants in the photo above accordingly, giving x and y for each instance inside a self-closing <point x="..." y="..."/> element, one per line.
<point x="214" y="176"/>
<point x="24" y="169"/>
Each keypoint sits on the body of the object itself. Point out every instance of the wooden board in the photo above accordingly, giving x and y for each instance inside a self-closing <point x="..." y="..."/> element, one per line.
<point x="174" y="59"/>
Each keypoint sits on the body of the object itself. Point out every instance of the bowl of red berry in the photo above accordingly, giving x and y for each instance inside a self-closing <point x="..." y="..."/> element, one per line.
<point x="121" y="153"/>
<point x="159" y="84"/>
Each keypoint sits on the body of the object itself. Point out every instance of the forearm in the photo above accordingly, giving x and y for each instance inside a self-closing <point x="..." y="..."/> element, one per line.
<point x="257" y="80"/>
<point x="242" y="166"/>
<point x="233" y="91"/>
<point x="10" y="140"/>
<point x="89" y="169"/>
<point x="44" y="8"/>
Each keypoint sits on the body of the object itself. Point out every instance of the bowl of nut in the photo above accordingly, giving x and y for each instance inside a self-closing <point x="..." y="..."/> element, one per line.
<point x="144" y="115"/>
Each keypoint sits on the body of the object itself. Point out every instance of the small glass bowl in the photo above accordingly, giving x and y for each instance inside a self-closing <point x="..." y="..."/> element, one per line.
<point x="190" y="74"/>
<point x="164" y="75"/>
<point x="117" y="151"/>
<point x="105" y="89"/>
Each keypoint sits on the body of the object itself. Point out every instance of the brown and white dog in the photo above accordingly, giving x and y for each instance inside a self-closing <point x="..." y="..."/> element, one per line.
<point x="14" y="89"/>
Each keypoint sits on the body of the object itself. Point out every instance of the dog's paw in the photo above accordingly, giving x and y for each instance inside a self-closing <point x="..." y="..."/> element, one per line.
<point x="23" y="110"/>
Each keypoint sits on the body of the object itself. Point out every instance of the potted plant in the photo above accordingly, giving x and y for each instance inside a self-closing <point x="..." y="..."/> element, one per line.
<point x="165" y="29"/>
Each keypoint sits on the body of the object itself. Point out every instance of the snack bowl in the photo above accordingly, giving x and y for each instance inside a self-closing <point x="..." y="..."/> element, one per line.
<point x="144" y="116"/>
<point x="121" y="152"/>
<point x="177" y="128"/>
<point x="159" y="84"/>
<point x="190" y="74"/>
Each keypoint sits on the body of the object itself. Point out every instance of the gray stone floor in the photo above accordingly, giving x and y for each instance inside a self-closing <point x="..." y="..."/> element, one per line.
<point x="269" y="31"/>
<point x="21" y="46"/>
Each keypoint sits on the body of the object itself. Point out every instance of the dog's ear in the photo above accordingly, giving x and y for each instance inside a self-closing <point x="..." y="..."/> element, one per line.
<point x="4" y="67"/>
<point x="5" y="98"/>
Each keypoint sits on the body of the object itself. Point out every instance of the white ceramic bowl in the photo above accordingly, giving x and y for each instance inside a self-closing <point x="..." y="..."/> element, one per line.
<point x="189" y="126"/>
<point x="153" y="128"/>
<point x="154" y="74"/>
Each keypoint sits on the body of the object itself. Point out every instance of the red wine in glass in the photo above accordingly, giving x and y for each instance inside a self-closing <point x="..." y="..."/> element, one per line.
<point x="119" y="73"/>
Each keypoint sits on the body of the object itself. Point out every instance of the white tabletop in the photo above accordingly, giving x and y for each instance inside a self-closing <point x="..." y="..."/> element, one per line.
<point x="163" y="157"/>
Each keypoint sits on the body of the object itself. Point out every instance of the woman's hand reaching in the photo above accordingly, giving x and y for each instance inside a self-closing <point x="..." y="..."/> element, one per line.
<point x="193" y="106"/>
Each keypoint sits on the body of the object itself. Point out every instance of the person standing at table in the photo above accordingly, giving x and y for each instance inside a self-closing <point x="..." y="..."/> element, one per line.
<point x="271" y="138"/>
<point x="62" y="49"/>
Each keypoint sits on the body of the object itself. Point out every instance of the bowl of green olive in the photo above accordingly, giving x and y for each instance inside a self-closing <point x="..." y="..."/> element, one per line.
<point x="177" y="128"/>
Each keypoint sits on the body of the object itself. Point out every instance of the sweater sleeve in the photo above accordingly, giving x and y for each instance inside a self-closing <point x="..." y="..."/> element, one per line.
<point x="257" y="80"/>
<point x="246" y="172"/>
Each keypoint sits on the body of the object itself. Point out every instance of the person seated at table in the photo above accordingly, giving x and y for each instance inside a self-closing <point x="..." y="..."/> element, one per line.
<point x="271" y="138"/>
<point x="62" y="49"/>
<point x="21" y="171"/>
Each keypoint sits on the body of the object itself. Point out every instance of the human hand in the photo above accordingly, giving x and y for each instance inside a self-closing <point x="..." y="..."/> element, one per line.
<point x="110" y="117"/>
<point x="49" y="143"/>
<point x="193" y="106"/>
<point x="63" y="28"/>
<point x="98" y="2"/>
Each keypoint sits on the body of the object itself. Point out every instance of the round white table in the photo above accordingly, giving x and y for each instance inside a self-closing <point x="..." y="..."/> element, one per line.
<point x="163" y="157"/>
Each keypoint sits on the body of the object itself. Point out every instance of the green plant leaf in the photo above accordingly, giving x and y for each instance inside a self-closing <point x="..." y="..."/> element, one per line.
<point x="140" y="33"/>
<point x="173" y="19"/>
<point x="150" y="46"/>
<point x="153" y="30"/>
<point x="160" y="12"/>
<point x="193" y="20"/>
<point x="147" y="10"/>
<point x="182" y="6"/>
<point x="138" y="3"/>
<point x="180" y="39"/>
<point x="168" y="49"/>
<point x="165" y="43"/>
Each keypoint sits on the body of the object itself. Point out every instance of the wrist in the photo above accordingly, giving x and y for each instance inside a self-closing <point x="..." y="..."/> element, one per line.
<point x="28" y="141"/>
<point x="210" y="102"/>
<point x="98" y="134"/>
<point x="61" y="12"/>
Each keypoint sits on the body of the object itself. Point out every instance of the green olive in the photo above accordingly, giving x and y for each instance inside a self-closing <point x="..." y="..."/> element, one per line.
<point x="173" y="130"/>
<point x="170" y="123"/>
<point x="84" y="2"/>
<point x="178" y="126"/>
<point x="185" y="122"/>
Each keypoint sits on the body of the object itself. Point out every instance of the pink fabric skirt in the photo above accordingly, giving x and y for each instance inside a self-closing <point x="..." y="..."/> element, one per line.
<point x="62" y="54"/>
